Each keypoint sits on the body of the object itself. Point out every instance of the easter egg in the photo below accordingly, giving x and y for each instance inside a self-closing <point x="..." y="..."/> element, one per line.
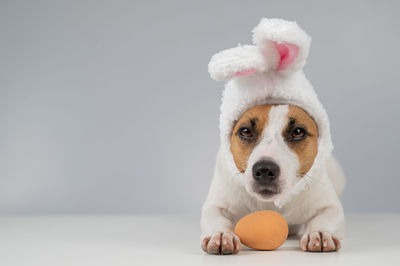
<point x="263" y="230"/>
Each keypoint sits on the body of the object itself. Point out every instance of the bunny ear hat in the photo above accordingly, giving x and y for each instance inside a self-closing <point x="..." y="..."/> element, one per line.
<point x="269" y="72"/>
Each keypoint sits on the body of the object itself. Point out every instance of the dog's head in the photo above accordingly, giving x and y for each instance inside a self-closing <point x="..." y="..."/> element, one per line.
<point x="274" y="146"/>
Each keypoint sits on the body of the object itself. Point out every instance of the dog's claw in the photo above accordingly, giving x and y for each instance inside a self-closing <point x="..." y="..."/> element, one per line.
<point x="221" y="244"/>
<point x="319" y="242"/>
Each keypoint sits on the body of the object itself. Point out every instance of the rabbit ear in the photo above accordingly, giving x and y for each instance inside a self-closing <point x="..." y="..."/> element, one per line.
<point x="289" y="41"/>
<point x="240" y="61"/>
<point x="279" y="45"/>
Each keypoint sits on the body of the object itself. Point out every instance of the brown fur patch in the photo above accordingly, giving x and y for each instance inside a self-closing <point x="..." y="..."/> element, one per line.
<point x="256" y="119"/>
<point x="305" y="149"/>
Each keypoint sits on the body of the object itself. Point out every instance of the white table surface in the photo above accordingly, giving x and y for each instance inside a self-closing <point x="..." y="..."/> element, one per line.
<point x="174" y="240"/>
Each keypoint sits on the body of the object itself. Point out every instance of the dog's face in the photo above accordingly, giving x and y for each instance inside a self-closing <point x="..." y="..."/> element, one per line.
<point x="274" y="146"/>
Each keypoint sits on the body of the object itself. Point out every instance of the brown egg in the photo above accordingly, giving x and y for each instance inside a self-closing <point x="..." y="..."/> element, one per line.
<point x="263" y="230"/>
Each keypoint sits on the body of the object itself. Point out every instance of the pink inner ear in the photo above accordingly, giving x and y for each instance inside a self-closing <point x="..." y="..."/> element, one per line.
<point x="287" y="53"/>
<point x="245" y="73"/>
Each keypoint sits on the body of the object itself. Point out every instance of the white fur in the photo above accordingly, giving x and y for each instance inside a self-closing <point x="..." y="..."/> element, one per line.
<point x="312" y="201"/>
<point x="273" y="146"/>
<point x="225" y="64"/>
<point x="283" y="31"/>
<point x="231" y="197"/>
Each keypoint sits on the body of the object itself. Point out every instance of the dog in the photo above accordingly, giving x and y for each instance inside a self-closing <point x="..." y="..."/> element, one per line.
<point x="275" y="149"/>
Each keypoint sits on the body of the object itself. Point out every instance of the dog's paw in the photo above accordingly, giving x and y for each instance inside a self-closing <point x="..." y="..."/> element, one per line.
<point x="221" y="244"/>
<point x="319" y="242"/>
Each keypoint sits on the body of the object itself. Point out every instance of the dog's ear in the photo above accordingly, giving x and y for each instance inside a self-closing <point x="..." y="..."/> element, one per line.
<point x="287" y="39"/>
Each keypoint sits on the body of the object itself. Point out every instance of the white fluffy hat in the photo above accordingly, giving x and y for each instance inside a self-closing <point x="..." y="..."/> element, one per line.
<point x="269" y="71"/>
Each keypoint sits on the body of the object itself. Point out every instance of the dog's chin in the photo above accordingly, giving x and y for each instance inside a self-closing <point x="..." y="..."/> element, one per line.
<point x="266" y="193"/>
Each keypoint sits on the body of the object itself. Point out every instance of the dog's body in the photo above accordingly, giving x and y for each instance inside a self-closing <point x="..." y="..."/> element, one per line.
<point x="316" y="212"/>
<point x="276" y="147"/>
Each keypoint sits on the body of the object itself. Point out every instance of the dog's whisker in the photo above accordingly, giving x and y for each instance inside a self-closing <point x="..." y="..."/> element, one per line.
<point x="308" y="180"/>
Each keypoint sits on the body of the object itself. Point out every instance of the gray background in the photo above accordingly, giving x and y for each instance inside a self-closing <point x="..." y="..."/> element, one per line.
<point x="107" y="107"/>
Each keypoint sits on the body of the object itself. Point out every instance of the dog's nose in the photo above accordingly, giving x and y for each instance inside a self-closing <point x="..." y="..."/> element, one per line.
<point x="265" y="171"/>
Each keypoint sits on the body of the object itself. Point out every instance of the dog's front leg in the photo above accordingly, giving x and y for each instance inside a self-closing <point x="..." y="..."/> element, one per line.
<point x="324" y="230"/>
<point x="217" y="231"/>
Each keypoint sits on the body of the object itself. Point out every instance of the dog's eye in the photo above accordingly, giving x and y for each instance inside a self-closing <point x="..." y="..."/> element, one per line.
<point x="298" y="133"/>
<point x="245" y="133"/>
